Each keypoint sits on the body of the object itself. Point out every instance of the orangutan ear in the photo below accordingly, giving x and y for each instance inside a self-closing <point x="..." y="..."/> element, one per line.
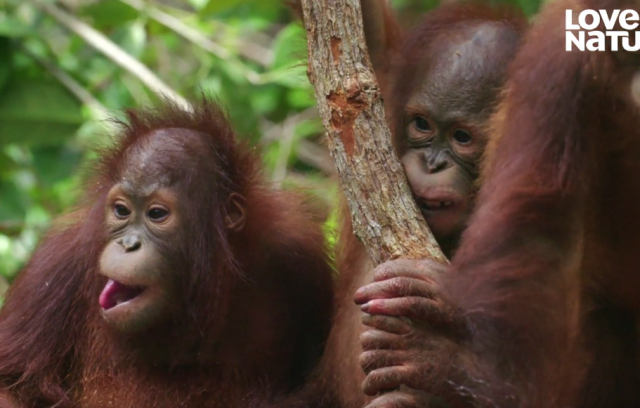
<point x="236" y="213"/>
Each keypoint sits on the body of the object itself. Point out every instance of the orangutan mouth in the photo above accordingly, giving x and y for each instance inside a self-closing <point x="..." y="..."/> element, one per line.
<point x="116" y="293"/>
<point x="435" y="205"/>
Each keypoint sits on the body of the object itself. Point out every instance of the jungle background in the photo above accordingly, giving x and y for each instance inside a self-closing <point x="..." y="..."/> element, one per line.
<point x="67" y="66"/>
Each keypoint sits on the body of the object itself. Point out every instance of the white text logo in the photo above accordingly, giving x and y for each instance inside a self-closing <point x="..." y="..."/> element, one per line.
<point x="595" y="40"/>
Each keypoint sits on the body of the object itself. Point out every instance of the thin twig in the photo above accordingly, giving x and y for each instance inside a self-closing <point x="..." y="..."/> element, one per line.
<point x="274" y="132"/>
<point x="112" y="51"/>
<point x="179" y="28"/>
<point x="192" y="35"/>
<point x="307" y="151"/>
<point x="98" y="110"/>
<point x="316" y="156"/>
<point x="250" y="50"/>
<point x="286" y="146"/>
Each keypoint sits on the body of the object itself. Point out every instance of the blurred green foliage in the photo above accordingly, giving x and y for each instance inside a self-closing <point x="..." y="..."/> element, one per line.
<point x="58" y="85"/>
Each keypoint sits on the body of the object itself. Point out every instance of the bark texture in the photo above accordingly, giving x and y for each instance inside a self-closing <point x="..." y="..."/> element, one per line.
<point x="385" y="216"/>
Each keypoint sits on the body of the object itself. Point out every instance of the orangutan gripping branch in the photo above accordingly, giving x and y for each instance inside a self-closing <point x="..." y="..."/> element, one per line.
<point x="541" y="304"/>
<point x="440" y="80"/>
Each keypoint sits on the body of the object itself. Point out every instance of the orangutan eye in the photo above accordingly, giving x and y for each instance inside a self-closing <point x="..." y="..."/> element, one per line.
<point x="421" y="124"/>
<point x="461" y="136"/>
<point x="121" y="211"/>
<point x="158" y="214"/>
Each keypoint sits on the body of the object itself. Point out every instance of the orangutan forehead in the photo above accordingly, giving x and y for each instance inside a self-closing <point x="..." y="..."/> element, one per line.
<point x="477" y="53"/>
<point x="160" y="159"/>
<point x="470" y="65"/>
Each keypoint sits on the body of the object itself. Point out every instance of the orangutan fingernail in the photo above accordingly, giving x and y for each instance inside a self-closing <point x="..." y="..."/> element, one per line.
<point x="364" y="307"/>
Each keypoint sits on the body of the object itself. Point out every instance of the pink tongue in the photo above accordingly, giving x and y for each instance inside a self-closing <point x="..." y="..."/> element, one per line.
<point x="115" y="292"/>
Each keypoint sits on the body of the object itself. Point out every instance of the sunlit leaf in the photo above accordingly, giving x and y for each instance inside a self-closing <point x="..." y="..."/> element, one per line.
<point x="10" y="26"/>
<point x="198" y="4"/>
<point x="216" y="6"/>
<point x="132" y="38"/>
<point x="289" y="46"/>
<point x="267" y="99"/>
<point x="109" y="13"/>
<point x="264" y="10"/>
<point x="300" y="98"/>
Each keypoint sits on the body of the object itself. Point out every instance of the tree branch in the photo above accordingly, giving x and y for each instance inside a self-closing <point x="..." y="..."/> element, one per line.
<point x="111" y="50"/>
<point x="385" y="216"/>
<point x="194" y="36"/>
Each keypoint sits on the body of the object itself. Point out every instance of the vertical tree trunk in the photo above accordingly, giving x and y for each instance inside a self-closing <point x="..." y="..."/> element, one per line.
<point x="385" y="216"/>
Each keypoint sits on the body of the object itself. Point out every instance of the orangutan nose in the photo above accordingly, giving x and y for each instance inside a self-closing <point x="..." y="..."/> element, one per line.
<point x="131" y="243"/>
<point x="435" y="163"/>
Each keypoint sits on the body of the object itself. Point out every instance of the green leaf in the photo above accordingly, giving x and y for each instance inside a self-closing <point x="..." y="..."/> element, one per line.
<point x="10" y="26"/>
<point x="6" y="52"/>
<point x="289" y="46"/>
<point x="264" y="10"/>
<point x="293" y="76"/>
<point x="37" y="111"/>
<point x="300" y="98"/>
<point x="109" y="13"/>
<point x="216" y="6"/>
<point x="6" y="163"/>
<point x="132" y="38"/>
<point x="266" y="99"/>
<point x="13" y="202"/>
<point x="54" y="163"/>
<point x="198" y="4"/>
<point x="37" y="133"/>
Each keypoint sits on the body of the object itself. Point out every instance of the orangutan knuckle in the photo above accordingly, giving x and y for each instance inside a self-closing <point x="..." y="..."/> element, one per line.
<point x="366" y="360"/>
<point x="432" y="269"/>
<point x="367" y="338"/>
<point x="395" y="399"/>
<point x="370" y="386"/>
<point x="400" y="286"/>
<point x="383" y="270"/>
<point x="413" y="304"/>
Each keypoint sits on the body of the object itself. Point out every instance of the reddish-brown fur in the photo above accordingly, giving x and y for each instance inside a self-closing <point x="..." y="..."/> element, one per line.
<point x="403" y="56"/>
<point x="409" y="57"/>
<point x="559" y="274"/>
<point x="257" y="303"/>
<point x="546" y="278"/>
